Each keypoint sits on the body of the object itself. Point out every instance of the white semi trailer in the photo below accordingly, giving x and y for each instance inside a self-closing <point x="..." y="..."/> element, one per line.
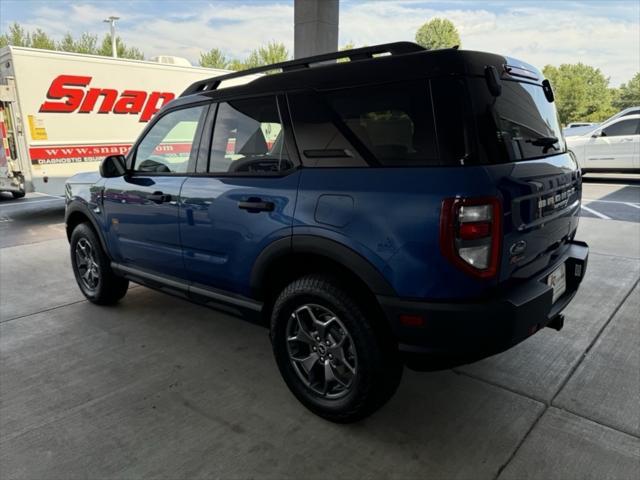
<point x="62" y="113"/>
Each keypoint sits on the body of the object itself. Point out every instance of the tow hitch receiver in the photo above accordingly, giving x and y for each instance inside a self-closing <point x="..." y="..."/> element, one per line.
<point x="556" y="322"/>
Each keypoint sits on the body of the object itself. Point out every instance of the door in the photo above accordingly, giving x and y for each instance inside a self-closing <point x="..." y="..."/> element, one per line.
<point x="142" y="207"/>
<point x="617" y="146"/>
<point x="244" y="199"/>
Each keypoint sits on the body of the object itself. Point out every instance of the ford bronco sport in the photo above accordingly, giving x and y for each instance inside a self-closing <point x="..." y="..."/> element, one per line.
<point x="403" y="207"/>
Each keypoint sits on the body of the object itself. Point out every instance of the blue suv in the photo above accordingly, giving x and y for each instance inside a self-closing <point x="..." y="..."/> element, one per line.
<point x="399" y="207"/>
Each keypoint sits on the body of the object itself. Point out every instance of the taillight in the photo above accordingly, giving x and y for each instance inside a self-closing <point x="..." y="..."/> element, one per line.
<point x="471" y="233"/>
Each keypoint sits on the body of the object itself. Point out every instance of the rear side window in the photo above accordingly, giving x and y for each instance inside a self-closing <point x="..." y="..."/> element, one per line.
<point x="386" y="125"/>
<point x="635" y="111"/>
<point x="248" y="138"/>
<point x="622" y="128"/>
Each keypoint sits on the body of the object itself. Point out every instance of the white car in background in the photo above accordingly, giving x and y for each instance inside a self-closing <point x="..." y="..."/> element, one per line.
<point x="580" y="128"/>
<point x="614" y="146"/>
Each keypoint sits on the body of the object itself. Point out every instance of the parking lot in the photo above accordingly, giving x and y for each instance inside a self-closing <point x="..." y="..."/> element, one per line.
<point x="158" y="387"/>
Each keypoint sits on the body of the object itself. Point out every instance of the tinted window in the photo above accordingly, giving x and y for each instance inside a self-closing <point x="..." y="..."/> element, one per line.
<point x="453" y="120"/>
<point x="320" y="141"/>
<point x="168" y="146"/>
<point x="393" y="123"/>
<point x="621" y="128"/>
<point x="517" y="125"/>
<point x="248" y="138"/>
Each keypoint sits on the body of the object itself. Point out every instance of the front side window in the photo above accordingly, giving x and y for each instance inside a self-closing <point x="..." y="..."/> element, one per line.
<point x="248" y="138"/>
<point x="169" y="145"/>
<point x="622" y="128"/>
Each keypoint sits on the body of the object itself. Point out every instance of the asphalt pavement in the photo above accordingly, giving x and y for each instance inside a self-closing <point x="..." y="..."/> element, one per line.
<point x="157" y="387"/>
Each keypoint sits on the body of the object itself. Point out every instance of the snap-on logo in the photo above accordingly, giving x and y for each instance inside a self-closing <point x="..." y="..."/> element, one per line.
<point x="84" y="100"/>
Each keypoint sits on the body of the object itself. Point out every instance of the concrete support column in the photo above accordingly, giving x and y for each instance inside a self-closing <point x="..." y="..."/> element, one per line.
<point x="315" y="27"/>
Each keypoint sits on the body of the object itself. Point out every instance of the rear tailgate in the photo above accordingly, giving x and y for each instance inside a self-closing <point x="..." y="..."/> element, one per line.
<point x="541" y="201"/>
<point x="520" y="139"/>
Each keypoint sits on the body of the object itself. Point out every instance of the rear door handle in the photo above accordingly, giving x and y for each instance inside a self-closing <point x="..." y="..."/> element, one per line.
<point x="254" y="205"/>
<point x="159" y="197"/>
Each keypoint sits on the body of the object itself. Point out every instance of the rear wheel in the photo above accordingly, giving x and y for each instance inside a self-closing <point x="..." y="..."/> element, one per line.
<point x="20" y="193"/>
<point x="92" y="268"/>
<point x="333" y="356"/>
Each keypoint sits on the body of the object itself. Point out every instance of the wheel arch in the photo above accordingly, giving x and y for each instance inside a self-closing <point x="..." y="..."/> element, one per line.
<point x="286" y="259"/>
<point x="75" y="215"/>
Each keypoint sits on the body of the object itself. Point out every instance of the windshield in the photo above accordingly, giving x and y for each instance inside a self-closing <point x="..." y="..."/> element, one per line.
<point x="519" y="124"/>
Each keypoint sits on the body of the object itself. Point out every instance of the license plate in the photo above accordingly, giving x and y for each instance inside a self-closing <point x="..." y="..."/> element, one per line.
<point x="558" y="281"/>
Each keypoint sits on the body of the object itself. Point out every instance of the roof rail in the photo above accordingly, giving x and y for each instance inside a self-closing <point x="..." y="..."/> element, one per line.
<point x="396" y="48"/>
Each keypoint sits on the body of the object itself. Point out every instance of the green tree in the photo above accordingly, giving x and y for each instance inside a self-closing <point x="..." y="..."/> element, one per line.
<point x="628" y="95"/>
<point x="235" y="64"/>
<point x="214" y="58"/>
<point x="19" y="37"/>
<point x="16" y="36"/>
<point x="582" y="92"/>
<point x="39" y="39"/>
<point x="87" y="43"/>
<point x="122" y="50"/>
<point x="272" y="52"/>
<point x="438" y="33"/>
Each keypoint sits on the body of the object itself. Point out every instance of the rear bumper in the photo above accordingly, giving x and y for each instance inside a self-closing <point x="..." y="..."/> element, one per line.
<point x="466" y="331"/>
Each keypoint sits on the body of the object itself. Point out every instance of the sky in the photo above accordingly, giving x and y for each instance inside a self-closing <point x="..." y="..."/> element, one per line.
<point x="604" y="34"/>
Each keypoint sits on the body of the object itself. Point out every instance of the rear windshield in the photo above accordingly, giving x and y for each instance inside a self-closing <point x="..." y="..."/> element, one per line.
<point x="519" y="124"/>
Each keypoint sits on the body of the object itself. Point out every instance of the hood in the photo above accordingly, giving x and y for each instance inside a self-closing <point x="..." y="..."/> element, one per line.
<point x="579" y="131"/>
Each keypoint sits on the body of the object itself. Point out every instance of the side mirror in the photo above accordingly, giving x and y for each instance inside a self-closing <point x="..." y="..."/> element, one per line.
<point x="113" y="166"/>
<point x="598" y="133"/>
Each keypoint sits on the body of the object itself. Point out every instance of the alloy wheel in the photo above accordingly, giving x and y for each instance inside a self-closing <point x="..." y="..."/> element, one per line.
<point x="321" y="351"/>
<point x="88" y="269"/>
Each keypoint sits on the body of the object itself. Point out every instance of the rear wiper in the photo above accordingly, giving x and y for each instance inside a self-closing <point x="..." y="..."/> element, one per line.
<point x="543" y="141"/>
<point x="546" y="142"/>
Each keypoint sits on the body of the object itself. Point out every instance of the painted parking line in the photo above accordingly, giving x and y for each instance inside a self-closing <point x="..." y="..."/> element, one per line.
<point x="589" y="200"/>
<point x="597" y="214"/>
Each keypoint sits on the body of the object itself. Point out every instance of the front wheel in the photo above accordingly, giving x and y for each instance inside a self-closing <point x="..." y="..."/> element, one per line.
<point x="92" y="268"/>
<point x="334" y="357"/>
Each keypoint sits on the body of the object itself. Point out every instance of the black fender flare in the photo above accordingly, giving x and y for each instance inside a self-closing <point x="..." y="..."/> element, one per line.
<point x="324" y="247"/>
<point x="76" y="207"/>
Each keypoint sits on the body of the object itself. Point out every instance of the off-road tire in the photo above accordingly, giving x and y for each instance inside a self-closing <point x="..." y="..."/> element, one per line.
<point x="109" y="288"/>
<point x="379" y="367"/>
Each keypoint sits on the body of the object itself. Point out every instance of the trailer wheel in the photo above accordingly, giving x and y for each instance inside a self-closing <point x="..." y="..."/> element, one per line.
<point x="92" y="268"/>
